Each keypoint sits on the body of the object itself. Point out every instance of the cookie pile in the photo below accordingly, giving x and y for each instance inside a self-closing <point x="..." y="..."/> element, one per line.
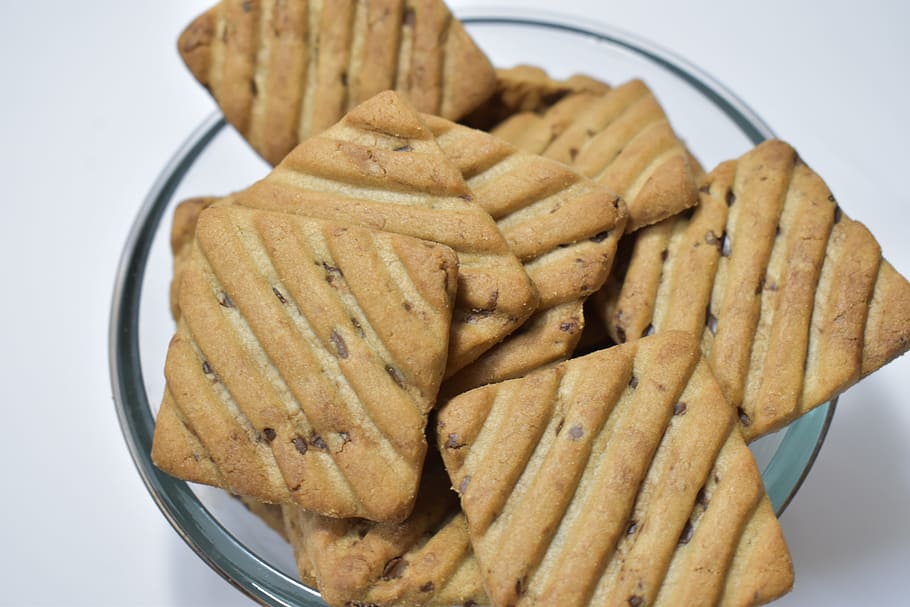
<point x="379" y="344"/>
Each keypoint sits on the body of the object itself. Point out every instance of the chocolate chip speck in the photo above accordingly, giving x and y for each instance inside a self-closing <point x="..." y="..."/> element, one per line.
<point x="463" y="485"/>
<point x="664" y="254"/>
<point x="573" y="153"/>
<point x="279" y="295"/>
<point x="452" y="442"/>
<point x="301" y="445"/>
<point x="247" y="6"/>
<point x="726" y="248"/>
<point x="317" y="442"/>
<point x="679" y="408"/>
<point x="632" y="527"/>
<point x="705" y="188"/>
<point x="403" y="148"/>
<point x="649" y="330"/>
<point x="340" y="346"/>
<point x="600" y="236"/>
<point x="686" y="534"/>
<point x="838" y="214"/>
<point x="269" y="434"/>
<point x="701" y="498"/>
<point x="744" y="417"/>
<point x="226" y="301"/>
<point x="344" y="78"/>
<point x="395" y="374"/>
<point x="633" y="383"/>
<point x="358" y="327"/>
<point x="332" y="273"/>
<point x="521" y="585"/>
<point x="636" y="601"/>
<point x="407" y="306"/>
<point x="712" y="239"/>
<point x="559" y="426"/>
<point x="731" y="198"/>
<point x="576" y="432"/>
<point x="761" y="286"/>
<point x="410" y="18"/>
<point x="568" y="327"/>
<point x="620" y="334"/>
<point x="394" y="568"/>
<point x="711" y="322"/>
<point x="428" y="587"/>
<point x="206" y="367"/>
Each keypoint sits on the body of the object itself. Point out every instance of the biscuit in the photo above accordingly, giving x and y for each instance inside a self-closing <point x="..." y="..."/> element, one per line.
<point x="424" y="561"/>
<point x="306" y="359"/>
<point x="527" y="88"/>
<point x="620" y="138"/>
<point x="791" y="298"/>
<point x="618" y="478"/>
<point x="563" y="227"/>
<point x="282" y="71"/>
<point x="381" y="167"/>
<point x="183" y="228"/>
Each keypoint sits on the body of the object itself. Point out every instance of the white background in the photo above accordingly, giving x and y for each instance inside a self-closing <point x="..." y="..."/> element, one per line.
<point x="94" y="102"/>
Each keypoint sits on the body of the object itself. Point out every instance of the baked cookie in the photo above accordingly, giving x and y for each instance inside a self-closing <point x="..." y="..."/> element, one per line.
<point x="306" y="359"/>
<point x="381" y="167"/>
<point x="183" y="229"/>
<point x="618" y="478"/>
<point x="424" y="561"/>
<point x="791" y="298"/>
<point x="283" y="70"/>
<point x="527" y="88"/>
<point x="620" y="138"/>
<point x="563" y="227"/>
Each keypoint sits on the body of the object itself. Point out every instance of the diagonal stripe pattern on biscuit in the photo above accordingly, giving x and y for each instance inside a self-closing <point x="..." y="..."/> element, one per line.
<point x="283" y="408"/>
<point x="791" y="298"/>
<point x="285" y="70"/>
<point x="616" y="478"/>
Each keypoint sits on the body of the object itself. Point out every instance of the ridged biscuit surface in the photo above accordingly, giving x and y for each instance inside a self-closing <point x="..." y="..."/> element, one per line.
<point x="381" y="167"/>
<point x="791" y="298"/>
<point x="618" y="478"/>
<point x="620" y="138"/>
<point x="306" y="359"/>
<point x="424" y="561"/>
<point x="562" y="226"/>
<point x="283" y="70"/>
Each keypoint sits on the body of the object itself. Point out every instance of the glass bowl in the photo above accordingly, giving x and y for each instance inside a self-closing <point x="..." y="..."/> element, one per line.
<point x="215" y="161"/>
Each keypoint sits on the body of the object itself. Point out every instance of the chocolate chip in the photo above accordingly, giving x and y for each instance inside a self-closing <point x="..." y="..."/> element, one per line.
<point x="452" y="442"/>
<point x="344" y="78"/>
<point x="831" y="198"/>
<point x="705" y="188"/>
<point x="269" y="434"/>
<point x="357" y="327"/>
<point x="744" y="417"/>
<point x="713" y="239"/>
<point x="317" y="442"/>
<point x="338" y="342"/>
<point x="395" y="374"/>
<point x="521" y="585"/>
<point x="206" y="367"/>
<point x="226" y="301"/>
<point x="247" y="6"/>
<point x="632" y="527"/>
<point x="711" y="321"/>
<point x="761" y="286"/>
<point x="568" y="327"/>
<point x="463" y="485"/>
<point x="777" y="230"/>
<point x="279" y="295"/>
<point x="560" y="425"/>
<point x="410" y="18"/>
<point x="254" y="88"/>
<point x="573" y="153"/>
<point x="394" y="569"/>
<point x="838" y="214"/>
<point x="636" y="601"/>
<point x="649" y="330"/>
<point x="576" y="432"/>
<point x="701" y="498"/>
<point x="731" y="197"/>
<point x="620" y="334"/>
<point x="664" y="254"/>
<point x="466" y="197"/>
<point x="363" y="527"/>
<point x="600" y="236"/>
<point x="332" y="273"/>
<point x="726" y="248"/>
<point x="771" y="285"/>
<point x="633" y="383"/>
<point x="686" y="534"/>
<point x="428" y="587"/>
<point x="679" y="408"/>
<point x="301" y="445"/>
<point x="403" y="148"/>
<point x="407" y="306"/>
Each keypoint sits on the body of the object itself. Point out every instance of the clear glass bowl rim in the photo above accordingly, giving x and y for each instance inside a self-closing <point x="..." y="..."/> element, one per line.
<point x="202" y="532"/>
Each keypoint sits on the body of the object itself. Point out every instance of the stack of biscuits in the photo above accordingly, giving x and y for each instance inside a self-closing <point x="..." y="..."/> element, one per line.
<point x="485" y="337"/>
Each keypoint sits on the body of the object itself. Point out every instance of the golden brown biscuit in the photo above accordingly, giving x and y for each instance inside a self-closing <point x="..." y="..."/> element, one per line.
<point x="527" y="88"/>
<point x="283" y="70"/>
<point x="792" y="298"/>
<point x="424" y="561"/>
<point x="563" y="227"/>
<point x="381" y="167"/>
<point x="183" y="228"/>
<point x="306" y="359"/>
<point x="618" y="478"/>
<point x="620" y="138"/>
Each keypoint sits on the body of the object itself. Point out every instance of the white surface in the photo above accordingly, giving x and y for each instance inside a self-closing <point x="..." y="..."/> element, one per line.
<point x="96" y="100"/>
